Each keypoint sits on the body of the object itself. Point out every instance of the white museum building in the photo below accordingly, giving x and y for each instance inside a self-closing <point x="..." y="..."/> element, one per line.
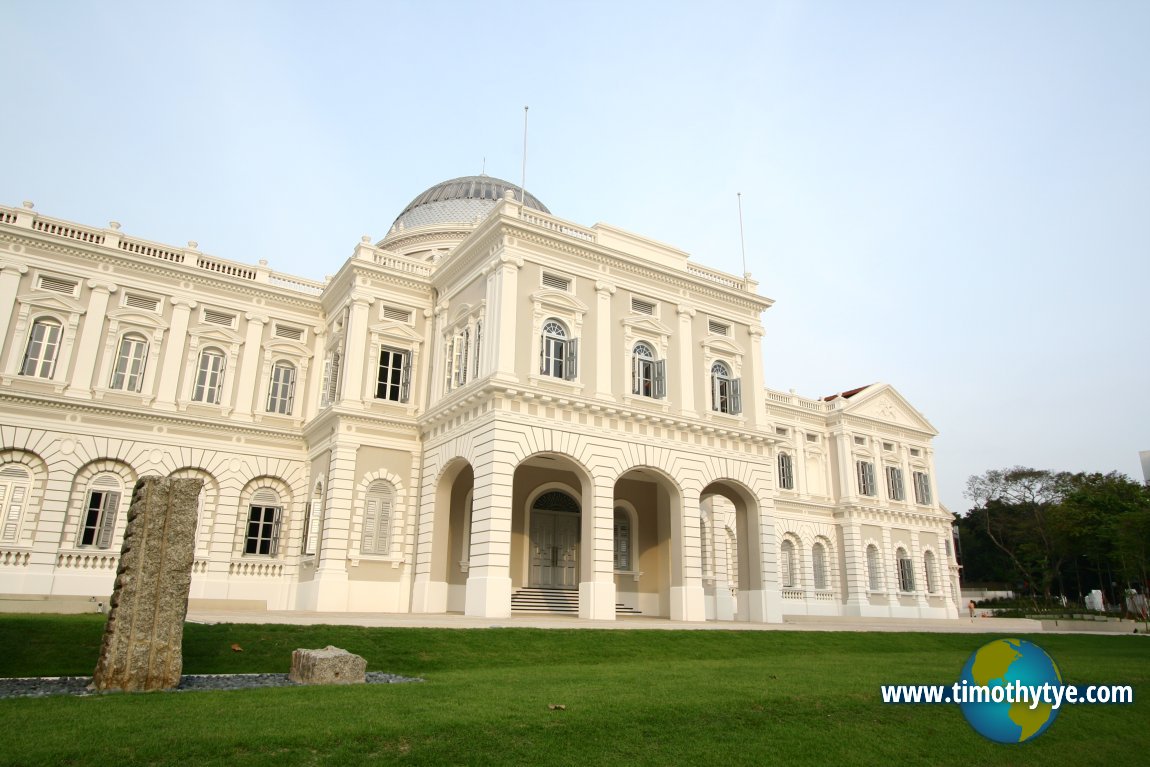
<point x="490" y="410"/>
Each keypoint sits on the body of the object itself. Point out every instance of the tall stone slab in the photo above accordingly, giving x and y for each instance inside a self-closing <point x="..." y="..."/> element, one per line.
<point x="143" y="640"/>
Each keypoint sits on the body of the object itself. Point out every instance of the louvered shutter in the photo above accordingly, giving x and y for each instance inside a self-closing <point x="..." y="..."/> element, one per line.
<point x="405" y="379"/>
<point x="571" y="363"/>
<point x="543" y="354"/>
<point x="275" y="541"/>
<point x="660" y="379"/>
<point x="370" y="515"/>
<point x="736" y="396"/>
<point x="108" y="507"/>
<point x="636" y="375"/>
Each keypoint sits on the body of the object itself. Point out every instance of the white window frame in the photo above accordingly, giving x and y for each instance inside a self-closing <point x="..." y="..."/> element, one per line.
<point x="895" y="489"/>
<point x="786" y="471"/>
<point x="98" y="518"/>
<point x="209" y="383"/>
<point x="874" y="567"/>
<point x="789" y="570"/>
<point x="864" y="471"/>
<point x="131" y="361"/>
<point x="262" y="531"/>
<point x="905" y="571"/>
<point x="558" y="351"/>
<point x="648" y="375"/>
<point x="819" y="566"/>
<point x="281" y="388"/>
<point x="15" y="489"/>
<point x="40" y="353"/>
<point x="393" y="378"/>
<point x="726" y="390"/>
<point x="922" y="494"/>
<point x="928" y="566"/>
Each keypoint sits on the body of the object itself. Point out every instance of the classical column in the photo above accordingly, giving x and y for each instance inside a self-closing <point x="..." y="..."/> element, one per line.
<point x="354" y="350"/>
<point x="753" y="379"/>
<point x="488" y="592"/>
<point x="505" y="319"/>
<point x="687" y="599"/>
<point x="891" y="571"/>
<point x="854" y="555"/>
<point x="248" y="382"/>
<point x="9" y="287"/>
<point x="916" y="561"/>
<point x="335" y="545"/>
<point x="597" y="551"/>
<point x="90" y="340"/>
<point x="605" y="351"/>
<point x="686" y="362"/>
<point x="174" y="354"/>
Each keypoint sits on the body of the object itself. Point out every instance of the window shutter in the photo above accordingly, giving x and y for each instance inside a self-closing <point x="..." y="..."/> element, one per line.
<point x="370" y="513"/>
<point x="111" y="503"/>
<point x="383" y="526"/>
<point x="405" y="379"/>
<point x="660" y="379"/>
<point x="736" y="396"/>
<point x="716" y="393"/>
<point x="449" y="364"/>
<point x="636" y="375"/>
<point x="571" y="363"/>
<point x="314" y="522"/>
<point x="275" y="542"/>
<point x="543" y="354"/>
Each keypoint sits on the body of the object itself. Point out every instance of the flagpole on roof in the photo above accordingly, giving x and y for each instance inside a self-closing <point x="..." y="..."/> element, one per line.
<point x="742" y="240"/>
<point x="523" y="182"/>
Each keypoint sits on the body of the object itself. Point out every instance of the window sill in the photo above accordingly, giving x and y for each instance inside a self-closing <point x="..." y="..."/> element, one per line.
<point x="542" y="380"/>
<point x="638" y="400"/>
<point x="358" y="557"/>
<point x="635" y="574"/>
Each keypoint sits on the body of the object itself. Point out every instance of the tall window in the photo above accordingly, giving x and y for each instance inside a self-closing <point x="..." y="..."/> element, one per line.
<point x="819" y="564"/>
<point x="313" y="521"/>
<point x="331" y="367"/>
<point x="263" y="524"/>
<point x="873" y="568"/>
<point x="209" y="377"/>
<point x="648" y="375"/>
<point x="43" y="346"/>
<point x="478" y="347"/>
<point x="789" y="565"/>
<point x="558" y="353"/>
<point x="894" y="487"/>
<point x="786" y="472"/>
<point x="281" y="392"/>
<point x="922" y="488"/>
<point x="622" y="540"/>
<point x="393" y="381"/>
<point x="865" y="470"/>
<point x="100" y="507"/>
<point x="726" y="394"/>
<point x="128" y="375"/>
<point x="15" y="485"/>
<point x="377" y="510"/>
<point x="928" y="566"/>
<point x="905" y="571"/>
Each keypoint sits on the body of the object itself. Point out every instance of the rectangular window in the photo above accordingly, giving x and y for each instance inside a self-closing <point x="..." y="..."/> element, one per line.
<point x="99" y="519"/>
<point x="263" y="530"/>
<point x="209" y="378"/>
<point x="128" y="374"/>
<point x="865" y="477"/>
<point x="786" y="472"/>
<point x="922" y="488"/>
<point x="43" y="345"/>
<point x="281" y="392"/>
<point x="905" y="573"/>
<point x="894" y="488"/>
<point x="394" y="378"/>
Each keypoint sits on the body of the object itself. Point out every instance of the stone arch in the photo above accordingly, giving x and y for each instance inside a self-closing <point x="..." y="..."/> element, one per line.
<point x="89" y="472"/>
<point x="285" y="499"/>
<point x="20" y="515"/>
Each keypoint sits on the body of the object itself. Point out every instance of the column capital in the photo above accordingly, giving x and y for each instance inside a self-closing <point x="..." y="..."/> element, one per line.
<point x="261" y="319"/>
<point x="15" y="268"/>
<point x="184" y="302"/>
<point x="605" y="287"/>
<point x="686" y="312"/>
<point x="109" y="287"/>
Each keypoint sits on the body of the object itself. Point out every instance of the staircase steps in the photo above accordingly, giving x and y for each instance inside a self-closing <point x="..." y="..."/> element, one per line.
<point x="542" y="601"/>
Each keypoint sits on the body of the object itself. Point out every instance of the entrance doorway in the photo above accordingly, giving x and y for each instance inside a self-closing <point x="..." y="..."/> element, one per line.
<point x="555" y="541"/>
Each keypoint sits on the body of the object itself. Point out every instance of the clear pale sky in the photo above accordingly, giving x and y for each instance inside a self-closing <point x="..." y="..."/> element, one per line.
<point x="953" y="198"/>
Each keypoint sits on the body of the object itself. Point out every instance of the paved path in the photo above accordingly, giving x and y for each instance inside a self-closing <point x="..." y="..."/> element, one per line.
<point x="957" y="626"/>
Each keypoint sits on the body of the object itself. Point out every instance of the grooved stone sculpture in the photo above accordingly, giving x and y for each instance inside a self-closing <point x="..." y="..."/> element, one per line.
<point x="143" y="640"/>
<point x="331" y="665"/>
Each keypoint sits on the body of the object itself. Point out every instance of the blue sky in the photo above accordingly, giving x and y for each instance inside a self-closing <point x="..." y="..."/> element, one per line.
<point x="950" y="197"/>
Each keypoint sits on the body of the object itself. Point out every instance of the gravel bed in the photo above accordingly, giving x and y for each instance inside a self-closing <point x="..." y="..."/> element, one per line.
<point x="40" y="686"/>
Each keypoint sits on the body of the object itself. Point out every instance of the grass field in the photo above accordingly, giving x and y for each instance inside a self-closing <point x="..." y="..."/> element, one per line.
<point x="631" y="697"/>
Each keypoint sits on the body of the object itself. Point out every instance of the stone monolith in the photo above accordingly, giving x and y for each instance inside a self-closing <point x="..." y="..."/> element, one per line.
<point x="143" y="640"/>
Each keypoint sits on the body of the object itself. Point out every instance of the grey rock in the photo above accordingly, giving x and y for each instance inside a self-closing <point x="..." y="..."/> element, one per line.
<point x="331" y="665"/>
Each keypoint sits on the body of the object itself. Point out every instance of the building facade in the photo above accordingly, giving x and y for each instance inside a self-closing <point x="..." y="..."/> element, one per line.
<point x="491" y="409"/>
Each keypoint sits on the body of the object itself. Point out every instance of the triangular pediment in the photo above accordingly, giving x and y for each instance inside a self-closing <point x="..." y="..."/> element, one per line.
<point x="720" y="346"/>
<point x="137" y="317"/>
<point x="558" y="299"/>
<point x="216" y="334"/>
<point x="51" y="302"/>
<point x="284" y="346"/>
<point x="648" y="325"/>
<point x="882" y="402"/>
<point x="395" y="330"/>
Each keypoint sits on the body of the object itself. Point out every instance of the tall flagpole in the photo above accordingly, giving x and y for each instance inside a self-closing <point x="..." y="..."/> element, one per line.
<point x="523" y="183"/>
<point x="742" y="240"/>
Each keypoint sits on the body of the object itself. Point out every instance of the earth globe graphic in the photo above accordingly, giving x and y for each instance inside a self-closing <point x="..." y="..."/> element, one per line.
<point x="1002" y="663"/>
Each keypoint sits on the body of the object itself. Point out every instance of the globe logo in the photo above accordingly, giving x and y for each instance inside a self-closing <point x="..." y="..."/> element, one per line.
<point x="1007" y="663"/>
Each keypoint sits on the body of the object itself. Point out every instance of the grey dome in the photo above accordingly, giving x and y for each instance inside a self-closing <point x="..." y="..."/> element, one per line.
<point x="460" y="201"/>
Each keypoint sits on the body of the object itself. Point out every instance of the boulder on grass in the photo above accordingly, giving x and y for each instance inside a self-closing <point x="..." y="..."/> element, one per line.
<point x="330" y="665"/>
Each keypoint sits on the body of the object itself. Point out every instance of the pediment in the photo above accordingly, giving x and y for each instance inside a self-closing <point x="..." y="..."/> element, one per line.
<point x="393" y="329"/>
<point x="136" y="317"/>
<point x="882" y="402"/>
<point x="213" y="333"/>
<point x="284" y="346"/>
<point x="720" y="345"/>
<point x="52" y="302"/>
<point x="648" y="325"/>
<point x="558" y="299"/>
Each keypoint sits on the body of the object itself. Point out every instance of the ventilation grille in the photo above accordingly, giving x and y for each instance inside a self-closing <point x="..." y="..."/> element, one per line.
<point x="914" y="451"/>
<point x="219" y="318"/>
<point x="106" y="481"/>
<point x="397" y="314"/>
<point x="888" y="446"/>
<point x="286" y="331"/>
<point x="812" y="438"/>
<point x="136" y="301"/>
<point x="265" y="497"/>
<point x="14" y="472"/>
<point x="639" y="306"/>
<point x="555" y="281"/>
<point x="781" y="431"/>
<point x="860" y="441"/>
<point x="719" y="328"/>
<point x="58" y="284"/>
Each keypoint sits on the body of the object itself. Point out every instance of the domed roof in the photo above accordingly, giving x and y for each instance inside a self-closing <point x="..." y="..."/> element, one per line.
<point x="460" y="201"/>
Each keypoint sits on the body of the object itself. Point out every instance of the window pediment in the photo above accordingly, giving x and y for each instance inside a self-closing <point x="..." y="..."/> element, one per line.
<point x="639" y="326"/>
<point x="58" y="303"/>
<point x="720" y="346"/>
<point x="209" y="332"/>
<point x="558" y="300"/>
<point x="282" y="346"/>
<point x="136" y="317"/>
<point x="395" y="331"/>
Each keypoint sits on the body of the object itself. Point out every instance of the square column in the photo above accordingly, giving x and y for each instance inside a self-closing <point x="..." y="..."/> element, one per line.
<point x="597" y="554"/>
<point x="488" y="592"/>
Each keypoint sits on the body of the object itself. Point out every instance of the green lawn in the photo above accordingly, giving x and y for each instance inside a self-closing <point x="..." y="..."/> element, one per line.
<point x="632" y="697"/>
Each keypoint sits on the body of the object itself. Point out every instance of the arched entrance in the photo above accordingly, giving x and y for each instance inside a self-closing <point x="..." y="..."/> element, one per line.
<point x="554" y="544"/>
<point x="731" y="553"/>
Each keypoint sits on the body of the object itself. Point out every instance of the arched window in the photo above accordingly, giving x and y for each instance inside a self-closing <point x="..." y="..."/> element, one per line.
<point x="557" y="354"/>
<point x="726" y="396"/>
<point x="378" y="503"/>
<point x="209" y="377"/>
<point x="264" y="517"/>
<point x="281" y="390"/>
<point x="648" y="375"/>
<point x="101" y="504"/>
<point x="873" y="568"/>
<point x="786" y="472"/>
<point x="819" y="563"/>
<point x="128" y="375"/>
<point x="905" y="570"/>
<point x="928" y="565"/>
<point x="789" y="565"/>
<point x="15" y="487"/>
<point x="43" y="346"/>
<point x="622" y="540"/>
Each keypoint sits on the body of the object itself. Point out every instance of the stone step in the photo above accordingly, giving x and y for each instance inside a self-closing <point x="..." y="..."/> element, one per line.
<point x="555" y="601"/>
